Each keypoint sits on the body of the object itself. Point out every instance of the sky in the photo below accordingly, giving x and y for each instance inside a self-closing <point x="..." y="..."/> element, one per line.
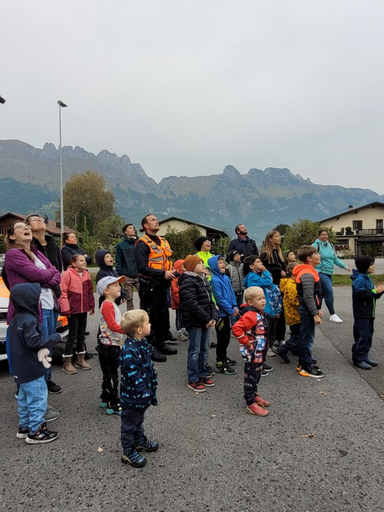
<point x="188" y="87"/>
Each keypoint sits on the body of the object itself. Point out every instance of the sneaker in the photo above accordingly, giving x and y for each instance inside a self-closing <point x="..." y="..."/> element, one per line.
<point x="22" y="433"/>
<point x="226" y="370"/>
<point x="42" y="436"/>
<point x="261" y="402"/>
<point x="298" y="366"/>
<point x="209" y="370"/>
<point x="197" y="387"/>
<point x="208" y="383"/>
<point x="147" y="446"/>
<point x="114" y="409"/>
<point x="315" y="373"/>
<point x="134" y="459"/>
<point x="182" y="337"/>
<point x="186" y="333"/>
<point x="51" y="415"/>
<point x="282" y="352"/>
<point x="267" y="368"/>
<point x="335" y="318"/>
<point x="103" y="405"/>
<point x="256" y="410"/>
<point x="270" y="353"/>
<point x="53" y="388"/>
<point x="264" y="373"/>
<point x="230" y="362"/>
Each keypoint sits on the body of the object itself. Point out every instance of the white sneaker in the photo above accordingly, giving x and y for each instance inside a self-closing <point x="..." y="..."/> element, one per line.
<point x="335" y="318"/>
<point x="270" y="353"/>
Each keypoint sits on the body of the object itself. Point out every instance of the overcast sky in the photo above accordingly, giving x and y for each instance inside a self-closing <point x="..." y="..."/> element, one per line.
<point x="188" y="87"/>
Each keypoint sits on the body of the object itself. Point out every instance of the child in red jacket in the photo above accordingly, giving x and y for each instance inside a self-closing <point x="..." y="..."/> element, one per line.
<point x="75" y="302"/>
<point x="182" y="334"/>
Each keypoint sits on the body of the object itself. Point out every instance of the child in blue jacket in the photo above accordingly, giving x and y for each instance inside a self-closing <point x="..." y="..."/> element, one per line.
<point x="226" y="302"/>
<point x="364" y="295"/>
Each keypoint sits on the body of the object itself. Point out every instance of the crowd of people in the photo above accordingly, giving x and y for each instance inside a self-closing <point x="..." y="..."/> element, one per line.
<point x="249" y="294"/>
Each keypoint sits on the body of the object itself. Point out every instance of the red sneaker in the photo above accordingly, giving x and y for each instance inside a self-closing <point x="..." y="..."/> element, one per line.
<point x="208" y="383"/>
<point x="197" y="387"/>
<point x="257" y="410"/>
<point x="261" y="402"/>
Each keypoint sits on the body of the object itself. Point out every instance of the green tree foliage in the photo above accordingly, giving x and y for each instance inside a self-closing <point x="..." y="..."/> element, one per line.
<point x="181" y="242"/>
<point x="282" y="228"/>
<point x="221" y="246"/>
<point x="109" y="232"/>
<point x="303" y="232"/>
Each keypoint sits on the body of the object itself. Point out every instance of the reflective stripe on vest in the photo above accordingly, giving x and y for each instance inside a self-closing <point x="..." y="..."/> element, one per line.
<point x="159" y="254"/>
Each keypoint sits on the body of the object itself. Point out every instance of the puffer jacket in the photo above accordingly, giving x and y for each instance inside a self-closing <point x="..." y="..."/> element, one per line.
<point x="196" y="302"/>
<point x="236" y="273"/>
<point x="175" y="291"/>
<point x="273" y="302"/>
<point x="328" y="257"/>
<point x="308" y="287"/>
<point x="363" y="296"/>
<point x="76" y="292"/>
<point x="288" y="289"/>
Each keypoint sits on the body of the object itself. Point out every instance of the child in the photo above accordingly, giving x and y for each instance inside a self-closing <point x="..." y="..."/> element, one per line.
<point x="364" y="295"/>
<point x="257" y="275"/>
<point x="110" y="339"/>
<point x="226" y="302"/>
<point x="104" y="260"/>
<point x="29" y="352"/>
<point x="288" y="291"/>
<point x="309" y="291"/>
<point x="290" y="257"/>
<point x="251" y="332"/>
<point x="199" y="314"/>
<point x="182" y="334"/>
<point x="75" y="302"/>
<point x="235" y="270"/>
<point x="138" y="387"/>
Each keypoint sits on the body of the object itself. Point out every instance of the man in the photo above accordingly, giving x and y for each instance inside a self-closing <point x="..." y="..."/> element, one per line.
<point x="126" y="264"/>
<point x="242" y="244"/>
<point x="46" y="245"/>
<point x="152" y="255"/>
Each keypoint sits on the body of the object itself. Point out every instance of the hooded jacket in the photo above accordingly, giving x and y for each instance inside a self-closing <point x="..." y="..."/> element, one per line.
<point x="76" y="292"/>
<point x="328" y="257"/>
<point x="25" y="335"/>
<point x="308" y="287"/>
<point x="196" y="302"/>
<point x="251" y="327"/>
<point x="363" y="295"/>
<point x="273" y="302"/>
<point x="222" y="289"/>
<point x="106" y="270"/>
<point x="288" y="290"/>
<point x="175" y="289"/>
<point x="125" y="258"/>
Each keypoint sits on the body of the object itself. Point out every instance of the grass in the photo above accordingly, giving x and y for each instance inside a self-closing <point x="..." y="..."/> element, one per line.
<point x="345" y="280"/>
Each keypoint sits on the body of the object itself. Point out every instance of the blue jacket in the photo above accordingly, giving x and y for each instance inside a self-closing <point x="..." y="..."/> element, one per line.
<point x="222" y="289"/>
<point x="25" y="335"/>
<point x="273" y="301"/>
<point x="138" y="375"/>
<point x="363" y="296"/>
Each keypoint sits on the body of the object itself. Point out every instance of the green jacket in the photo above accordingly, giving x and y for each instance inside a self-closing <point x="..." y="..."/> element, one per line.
<point x="328" y="257"/>
<point x="125" y="258"/>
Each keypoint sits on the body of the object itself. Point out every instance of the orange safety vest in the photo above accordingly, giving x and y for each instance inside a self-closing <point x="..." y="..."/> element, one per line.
<point x="159" y="254"/>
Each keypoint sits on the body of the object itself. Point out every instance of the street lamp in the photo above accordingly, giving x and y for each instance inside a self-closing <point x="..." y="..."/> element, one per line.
<point x="61" y="105"/>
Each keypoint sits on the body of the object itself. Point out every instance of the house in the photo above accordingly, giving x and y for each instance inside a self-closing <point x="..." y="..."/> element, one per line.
<point x="53" y="227"/>
<point x="358" y="228"/>
<point x="179" y="224"/>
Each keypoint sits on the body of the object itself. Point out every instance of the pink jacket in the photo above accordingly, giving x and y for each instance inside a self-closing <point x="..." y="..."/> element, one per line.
<point x="76" y="292"/>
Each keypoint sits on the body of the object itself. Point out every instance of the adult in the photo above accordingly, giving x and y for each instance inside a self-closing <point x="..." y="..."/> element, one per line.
<point x="273" y="260"/>
<point x="325" y="269"/>
<point x="126" y="263"/>
<point x="152" y="255"/>
<point x="46" y="244"/>
<point x="244" y="245"/>
<point x="70" y="248"/>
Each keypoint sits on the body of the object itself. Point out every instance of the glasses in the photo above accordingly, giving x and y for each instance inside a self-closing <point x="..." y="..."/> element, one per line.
<point x="21" y="226"/>
<point x="35" y="219"/>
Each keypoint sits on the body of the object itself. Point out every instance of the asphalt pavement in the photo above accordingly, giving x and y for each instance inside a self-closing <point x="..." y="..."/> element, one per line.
<point x="320" y="449"/>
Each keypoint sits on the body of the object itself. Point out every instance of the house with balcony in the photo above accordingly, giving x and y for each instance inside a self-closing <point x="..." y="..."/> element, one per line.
<point x="358" y="230"/>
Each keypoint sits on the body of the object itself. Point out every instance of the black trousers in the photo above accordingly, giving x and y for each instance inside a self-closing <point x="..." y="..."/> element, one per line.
<point x="132" y="430"/>
<point x="109" y="363"/>
<point x="77" y="324"/>
<point x="223" y="332"/>
<point x="154" y="302"/>
<point x="252" y="374"/>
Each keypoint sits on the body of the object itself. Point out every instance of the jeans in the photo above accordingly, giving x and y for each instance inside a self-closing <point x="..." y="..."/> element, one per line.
<point x="197" y="353"/>
<point x="294" y="340"/>
<point x="132" y="431"/>
<point x="32" y="402"/>
<point x="307" y="336"/>
<point x="49" y="327"/>
<point x="326" y="286"/>
<point x="362" y="334"/>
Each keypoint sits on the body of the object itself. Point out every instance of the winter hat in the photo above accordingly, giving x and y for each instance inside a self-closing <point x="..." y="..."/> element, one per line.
<point x="199" y="242"/>
<point x="177" y="265"/>
<point x="106" y="281"/>
<point x="363" y="263"/>
<point x="191" y="261"/>
<point x="232" y="254"/>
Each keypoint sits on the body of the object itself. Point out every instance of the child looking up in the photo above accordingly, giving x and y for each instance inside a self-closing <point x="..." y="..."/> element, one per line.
<point x="109" y="342"/>
<point x="235" y="270"/>
<point x="138" y="387"/>
<point x="182" y="334"/>
<point x="75" y="302"/>
<point x="310" y="295"/>
<point x="251" y="332"/>
<point x="104" y="260"/>
<point x="364" y="295"/>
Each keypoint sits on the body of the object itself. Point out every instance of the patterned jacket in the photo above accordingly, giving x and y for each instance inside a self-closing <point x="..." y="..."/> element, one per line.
<point x="288" y="289"/>
<point x="251" y="327"/>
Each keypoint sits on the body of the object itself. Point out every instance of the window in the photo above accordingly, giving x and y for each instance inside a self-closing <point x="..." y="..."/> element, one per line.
<point x="357" y="225"/>
<point x="379" y="223"/>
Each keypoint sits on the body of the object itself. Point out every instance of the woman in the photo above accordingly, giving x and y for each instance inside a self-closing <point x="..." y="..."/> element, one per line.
<point x="325" y="269"/>
<point x="70" y="249"/>
<point x="273" y="259"/>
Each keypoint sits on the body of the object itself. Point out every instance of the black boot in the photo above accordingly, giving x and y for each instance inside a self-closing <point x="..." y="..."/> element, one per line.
<point x="157" y="356"/>
<point x="164" y="349"/>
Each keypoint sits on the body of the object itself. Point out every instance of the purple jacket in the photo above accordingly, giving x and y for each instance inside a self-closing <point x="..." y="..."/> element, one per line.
<point x="20" y="269"/>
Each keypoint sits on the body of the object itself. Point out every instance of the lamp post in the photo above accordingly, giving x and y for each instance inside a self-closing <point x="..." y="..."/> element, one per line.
<point x="61" y="105"/>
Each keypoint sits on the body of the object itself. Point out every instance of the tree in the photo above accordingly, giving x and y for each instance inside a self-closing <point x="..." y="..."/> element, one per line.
<point x="86" y="202"/>
<point x="282" y="228"/>
<point x="302" y="232"/>
<point x="181" y="242"/>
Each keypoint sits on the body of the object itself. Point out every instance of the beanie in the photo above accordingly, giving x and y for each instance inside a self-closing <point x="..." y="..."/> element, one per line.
<point x="363" y="263"/>
<point x="232" y="254"/>
<point x="199" y="242"/>
<point x="191" y="261"/>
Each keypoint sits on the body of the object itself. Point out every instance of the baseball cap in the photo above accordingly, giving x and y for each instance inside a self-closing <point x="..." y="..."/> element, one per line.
<point x="106" y="281"/>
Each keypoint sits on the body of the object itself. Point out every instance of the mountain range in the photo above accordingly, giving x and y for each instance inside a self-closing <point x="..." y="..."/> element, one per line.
<point x="261" y="199"/>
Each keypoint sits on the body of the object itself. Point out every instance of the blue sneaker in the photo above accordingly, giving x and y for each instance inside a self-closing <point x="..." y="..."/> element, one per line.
<point x="103" y="405"/>
<point x="114" y="409"/>
<point x="134" y="459"/>
<point x="147" y="446"/>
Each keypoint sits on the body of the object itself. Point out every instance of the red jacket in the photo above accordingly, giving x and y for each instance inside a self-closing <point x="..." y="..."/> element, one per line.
<point x="175" y="299"/>
<point x="76" y="292"/>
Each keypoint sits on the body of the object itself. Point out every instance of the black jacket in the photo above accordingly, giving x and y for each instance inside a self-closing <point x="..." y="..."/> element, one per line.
<point x="247" y="247"/>
<point x="51" y="251"/>
<point x="70" y="250"/>
<point x="25" y="335"/>
<point x="106" y="270"/>
<point x="275" y="266"/>
<point x="141" y="257"/>
<point x="196" y="302"/>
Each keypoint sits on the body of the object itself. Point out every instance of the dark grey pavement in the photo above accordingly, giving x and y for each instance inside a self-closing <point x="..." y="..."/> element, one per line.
<point x="213" y="456"/>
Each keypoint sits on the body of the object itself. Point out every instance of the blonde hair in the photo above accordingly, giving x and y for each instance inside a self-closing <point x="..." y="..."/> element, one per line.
<point x="251" y="292"/>
<point x="132" y="320"/>
<point x="268" y="248"/>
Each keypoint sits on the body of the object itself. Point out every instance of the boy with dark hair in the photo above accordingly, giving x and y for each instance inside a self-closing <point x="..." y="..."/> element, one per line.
<point x="364" y="295"/>
<point x="126" y="263"/>
<point x="310" y="295"/>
